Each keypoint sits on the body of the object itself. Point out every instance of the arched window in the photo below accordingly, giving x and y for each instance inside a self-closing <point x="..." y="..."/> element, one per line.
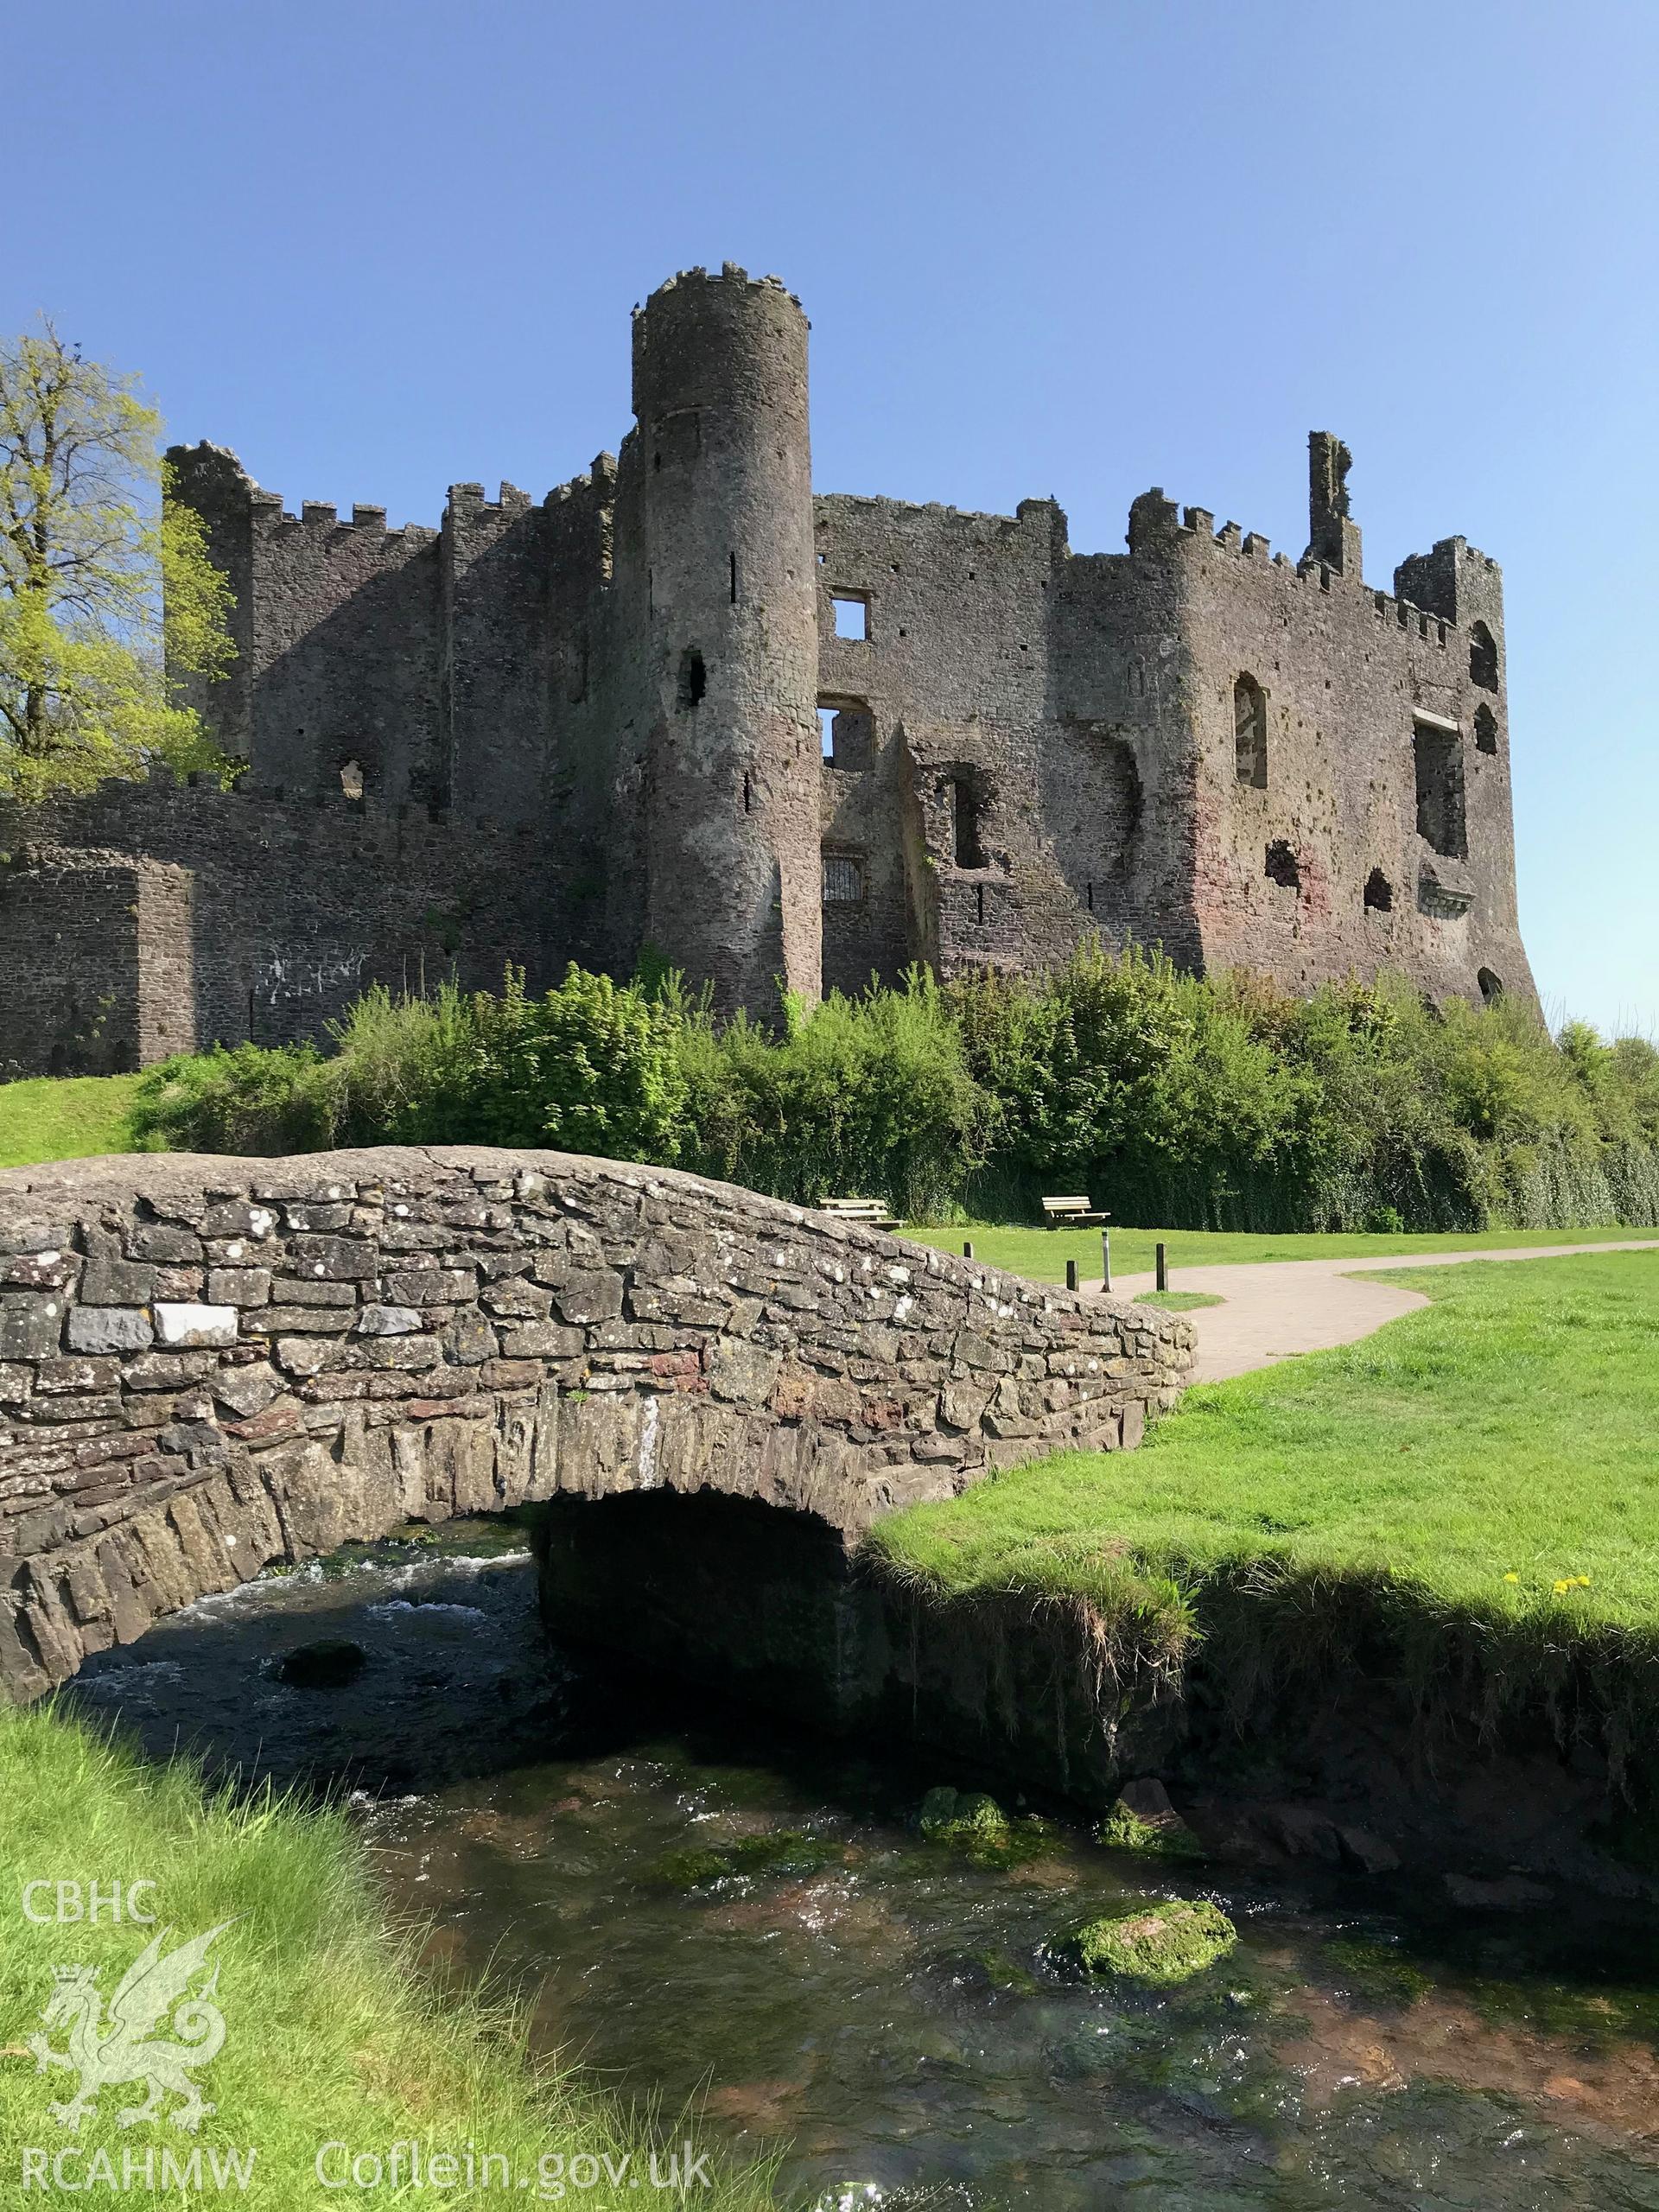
<point x="1483" y="658"/>
<point x="1485" y="729"/>
<point x="1491" y="986"/>
<point x="1379" y="892"/>
<point x="1251" y="732"/>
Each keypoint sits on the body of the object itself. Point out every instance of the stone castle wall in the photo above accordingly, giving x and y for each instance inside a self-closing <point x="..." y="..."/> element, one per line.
<point x="150" y="920"/>
<point x="209" y="1364"/>
<point x="583" y="727"/>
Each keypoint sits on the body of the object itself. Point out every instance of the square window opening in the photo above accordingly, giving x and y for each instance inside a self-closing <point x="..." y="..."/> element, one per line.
<point x="852" y="615"/>
<point x="846" y="733"/>
<point x="843" y="880"/>
<point x="1439" y="760"/>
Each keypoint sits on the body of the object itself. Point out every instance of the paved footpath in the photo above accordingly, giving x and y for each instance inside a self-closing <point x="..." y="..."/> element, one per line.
<point x="1275" y="1308"/>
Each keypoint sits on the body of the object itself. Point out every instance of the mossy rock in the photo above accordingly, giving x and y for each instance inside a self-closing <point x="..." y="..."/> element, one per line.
<point x="1375" y="1972"/>
<point x="975" y="1826"/>
<point x="782" y="1852"/>
<point x="1123" y="1830"/>
<point x="1003" y="1971"/>
<point x="1159" y="1944"/>
<point x="963" y="1816"/>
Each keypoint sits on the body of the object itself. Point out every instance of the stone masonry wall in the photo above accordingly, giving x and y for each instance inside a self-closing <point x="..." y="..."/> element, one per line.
<point x="208" y="1364"/>
<point x="203" y="916"/>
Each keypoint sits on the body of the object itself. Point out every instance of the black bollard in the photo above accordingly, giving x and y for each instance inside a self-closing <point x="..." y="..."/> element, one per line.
<point x="1070" y="1275"/>
<point x="966" y="1247"/>
<point x="1163" y="1267"/>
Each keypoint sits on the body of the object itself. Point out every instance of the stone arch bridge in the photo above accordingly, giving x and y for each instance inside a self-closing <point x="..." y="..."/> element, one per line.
<point x="210" y="1364"/>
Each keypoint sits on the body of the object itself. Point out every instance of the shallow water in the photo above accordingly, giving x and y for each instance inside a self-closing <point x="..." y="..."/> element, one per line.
<point x="897" y="2014"/>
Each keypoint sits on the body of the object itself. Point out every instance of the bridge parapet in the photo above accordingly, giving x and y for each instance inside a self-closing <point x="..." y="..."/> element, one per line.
<point x="210" y="1364"/>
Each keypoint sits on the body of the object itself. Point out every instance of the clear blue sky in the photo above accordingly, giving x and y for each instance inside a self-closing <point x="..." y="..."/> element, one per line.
<point x="382" y="245"/>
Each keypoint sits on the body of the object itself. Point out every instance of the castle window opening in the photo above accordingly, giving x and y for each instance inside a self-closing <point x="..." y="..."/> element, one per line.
<point x="843" y="880"/>
<point x="1483" y="658"/>
<point x="852" y="615"/>
<point x="350" y="778"/>
<point x="1441" y="823"/>
<point x="1251" y="732"/>
<point x="967" y="843"/>
<point x="1379" y="892"/>
<point x="846" y="734"/>
<point x="733" y="579"/>
<point x="979" y="903"/>
<point x="1491" y="986"/>
<point x="693" y="680"/>
<point x="1282" y="865"/>
<point x="1485" y="729"/>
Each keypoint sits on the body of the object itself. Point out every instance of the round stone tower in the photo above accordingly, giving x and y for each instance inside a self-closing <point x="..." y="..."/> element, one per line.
<point x="733" y="891"/>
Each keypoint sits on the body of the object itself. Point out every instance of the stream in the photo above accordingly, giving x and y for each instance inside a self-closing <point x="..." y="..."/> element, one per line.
<point x="713" y="1914"/>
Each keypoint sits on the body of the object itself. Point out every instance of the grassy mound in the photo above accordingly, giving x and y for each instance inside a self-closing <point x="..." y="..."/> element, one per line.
<point x="332" y="2034"/>
<point x="69" y="1118"/>
<point x="1467" y="1501"/>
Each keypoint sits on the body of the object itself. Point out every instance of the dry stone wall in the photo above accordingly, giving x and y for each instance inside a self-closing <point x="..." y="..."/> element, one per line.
<point x="209" y="1364"/>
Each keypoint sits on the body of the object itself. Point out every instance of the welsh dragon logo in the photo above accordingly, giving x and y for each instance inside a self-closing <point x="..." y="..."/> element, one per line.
<point x="107" y="2054"/>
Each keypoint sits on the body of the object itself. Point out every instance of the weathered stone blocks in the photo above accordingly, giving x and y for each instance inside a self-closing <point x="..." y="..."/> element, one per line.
<point x="109" y="1328"/>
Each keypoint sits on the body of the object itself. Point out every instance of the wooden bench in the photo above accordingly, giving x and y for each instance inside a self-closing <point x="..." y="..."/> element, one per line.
<point x="870" y="1211"/>
<point x="1071" y="1213"/>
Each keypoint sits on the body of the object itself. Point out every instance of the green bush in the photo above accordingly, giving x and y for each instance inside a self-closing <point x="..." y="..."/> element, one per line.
<point x="589" y="1067"/>
<point x="256" y="1100"/>
<point x="592" y="1066"/>
<point x="1217" y="1103"/>
<point x="870" y="1096"/>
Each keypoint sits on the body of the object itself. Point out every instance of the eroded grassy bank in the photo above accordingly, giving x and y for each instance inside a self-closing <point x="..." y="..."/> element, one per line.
<point x="1463" y="1507"/>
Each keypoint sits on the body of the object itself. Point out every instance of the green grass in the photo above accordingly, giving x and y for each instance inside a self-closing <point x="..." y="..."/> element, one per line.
<point x="1178" y="1301"/>
<point x="1041" y="1253"/>
<point x="1446" y="1481"/>
<point x="332" y="2033"/>
<point x="64" y="1118"/>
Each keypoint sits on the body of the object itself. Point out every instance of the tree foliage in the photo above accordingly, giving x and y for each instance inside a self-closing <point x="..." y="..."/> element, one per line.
<point x="108" y="606"/>
<point x="1183" y="1101"/>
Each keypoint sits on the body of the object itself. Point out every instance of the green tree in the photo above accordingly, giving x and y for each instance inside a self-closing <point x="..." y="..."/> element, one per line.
<point x="109" y="604"/>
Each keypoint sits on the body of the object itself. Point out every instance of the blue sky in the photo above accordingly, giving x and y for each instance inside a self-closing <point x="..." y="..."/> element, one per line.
<point x="1079" y="249"/>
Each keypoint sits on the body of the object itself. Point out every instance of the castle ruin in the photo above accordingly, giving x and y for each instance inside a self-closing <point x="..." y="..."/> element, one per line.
<point x="687" y="706"/>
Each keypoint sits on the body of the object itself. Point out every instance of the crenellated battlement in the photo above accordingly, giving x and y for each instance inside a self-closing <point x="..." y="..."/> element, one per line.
<point x="322" y="518"/>
<point x="1155" y="522"/>
<point x="730" y="273"/>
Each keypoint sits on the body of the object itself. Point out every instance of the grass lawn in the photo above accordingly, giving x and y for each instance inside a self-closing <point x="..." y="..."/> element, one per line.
<point x="1483" y="1470"/>
<point x="64" y="1118"/>
<point x="1041" y="1253"/>
<point x="331" y="2034"/>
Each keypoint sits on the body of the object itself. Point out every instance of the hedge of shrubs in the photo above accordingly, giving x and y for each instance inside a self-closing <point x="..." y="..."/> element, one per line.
<point x="1201" y="1103"/>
